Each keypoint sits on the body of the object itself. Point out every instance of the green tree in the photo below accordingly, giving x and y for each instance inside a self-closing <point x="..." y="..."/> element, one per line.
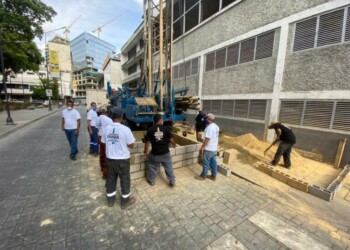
<point x="20" y="22"/>
<point x="39" y="92"/>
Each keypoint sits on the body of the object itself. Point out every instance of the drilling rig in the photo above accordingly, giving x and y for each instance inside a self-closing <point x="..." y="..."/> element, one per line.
<point x="155" y="94"/>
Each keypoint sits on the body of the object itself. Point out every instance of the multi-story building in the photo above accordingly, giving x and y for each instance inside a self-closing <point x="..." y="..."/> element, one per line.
<point x="90" y="51"/>
<point x="132" y="54"/>
<point x="112" y="72"/>
<point x="255" y="62"/>
<point x="60" y="64"/>
<point x="85" y="79"/>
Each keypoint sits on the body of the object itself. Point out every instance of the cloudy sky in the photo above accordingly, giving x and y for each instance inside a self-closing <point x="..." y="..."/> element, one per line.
<point x="94" y="13"/>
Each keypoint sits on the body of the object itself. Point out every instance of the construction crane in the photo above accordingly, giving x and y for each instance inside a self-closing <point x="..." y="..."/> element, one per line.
<point x="98" y="30"/>
<point x="67" y="29"/>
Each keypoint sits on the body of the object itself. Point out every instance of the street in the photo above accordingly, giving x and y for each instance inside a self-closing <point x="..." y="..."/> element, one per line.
<point x="50" y="202"/>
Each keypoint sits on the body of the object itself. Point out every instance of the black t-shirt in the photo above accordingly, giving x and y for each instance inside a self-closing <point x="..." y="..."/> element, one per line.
<point x="200" y="121"/>
<point x="287" y="134"/>
<point x="159" y="136"/>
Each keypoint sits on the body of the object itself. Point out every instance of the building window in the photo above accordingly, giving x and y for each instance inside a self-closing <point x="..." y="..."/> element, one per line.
<point x="227" y="2"/>
<point x="190" y="3"/>
<point x="318" y="114"/>
<point x="132" y="53"/>
<point x="253" y="49"/>
<point x="194" y="70"/>
<point x="322" y="30"/>
<point x="209" y="8"/>
<point x="191" y="18"/>
<point x="187" y="68"/>
<point x="132" y="69"/>
<point x="178" y="8"/>
<point x="178" y="28"/>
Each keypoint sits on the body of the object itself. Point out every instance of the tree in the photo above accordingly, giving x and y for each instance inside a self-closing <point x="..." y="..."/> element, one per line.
<point x="20" y="22"/>
<point x="39" y="92"/>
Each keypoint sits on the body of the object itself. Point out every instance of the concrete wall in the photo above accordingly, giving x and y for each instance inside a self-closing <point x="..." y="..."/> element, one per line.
<point x="241" y="18"/>
<point x="252" y="77"/>
<point x="98" y="96"/>
<point x="325" y="68"/>
<point x="323" y="142"/>
<point x="191" y="82"/>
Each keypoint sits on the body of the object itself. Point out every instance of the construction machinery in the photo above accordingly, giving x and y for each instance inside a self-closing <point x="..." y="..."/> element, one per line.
<point x="154" y="95"/>
<point x="67" y="29"/>
<point x="98" y="30"/>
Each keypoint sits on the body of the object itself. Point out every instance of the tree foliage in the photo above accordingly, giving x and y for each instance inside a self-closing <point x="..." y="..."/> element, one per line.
<point x="20" y="22"/>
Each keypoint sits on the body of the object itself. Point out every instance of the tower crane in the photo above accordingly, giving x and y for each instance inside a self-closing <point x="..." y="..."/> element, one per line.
<point x="67" y="29"/>
<point x="98" y="30"/>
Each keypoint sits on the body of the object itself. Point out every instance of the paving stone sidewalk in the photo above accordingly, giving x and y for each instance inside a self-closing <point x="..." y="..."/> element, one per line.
<point x="48" y="201"/>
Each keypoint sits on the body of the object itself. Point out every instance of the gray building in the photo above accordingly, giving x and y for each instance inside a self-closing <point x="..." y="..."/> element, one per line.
<point x="254" y="62"/>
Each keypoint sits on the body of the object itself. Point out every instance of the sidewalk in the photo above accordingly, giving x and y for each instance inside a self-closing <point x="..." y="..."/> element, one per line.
<point x="22" y="118"/>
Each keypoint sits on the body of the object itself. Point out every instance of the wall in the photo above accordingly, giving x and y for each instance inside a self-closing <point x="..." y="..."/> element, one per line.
<point x="325" y="68"/>
<point x="98" y="96"/>
<point x="234" y="22"/>
<point x="191" y="82"/>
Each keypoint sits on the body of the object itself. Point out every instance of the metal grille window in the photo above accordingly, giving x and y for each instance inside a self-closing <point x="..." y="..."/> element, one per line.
<point x="220" y="58"/>
<point x="176" y="71"/>
<point x="264" y="45"/>
<point x="206" y="106"/>
<point x="322" y="30"/>
<point x="182" y="68"/>
<point x="132" y="69"/>
<point x="188" y="68"/>
<point x="241" y="108"/>
<point x="232" y="55"/>
<point x="257" y="109"/>
<point x="247" y="51"/>
<point x="215" y="107"/>
<point x="227" y="107"/>
<point x="319" y="114"/>
<point x="330" y="28"/>
<point x="194" y="70"/>
<point x="210" y="60"/>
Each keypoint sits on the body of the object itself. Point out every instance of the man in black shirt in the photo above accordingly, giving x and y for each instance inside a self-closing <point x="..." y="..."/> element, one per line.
<point x="159" y="136"/>
<point x="201" y="122"/>
<point x="287" y="139"/>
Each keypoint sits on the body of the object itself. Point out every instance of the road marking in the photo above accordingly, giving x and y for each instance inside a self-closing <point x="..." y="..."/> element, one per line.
<point x="285" y="233"/>
<point x="227" y="241"/>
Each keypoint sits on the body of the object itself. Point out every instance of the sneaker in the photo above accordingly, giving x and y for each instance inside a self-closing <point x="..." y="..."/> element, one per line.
<point x="200" y="178"/>
<point x="73" y="158"/>
<point x="213" y="178"/>
<point x="124" y="205"/>
<point x="150" y="182"/>
<point x="172" y="184"/>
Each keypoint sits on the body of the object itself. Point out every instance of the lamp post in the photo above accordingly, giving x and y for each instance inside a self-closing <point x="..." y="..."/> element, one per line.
<point x="9" y="120"/>
<point x="47" y="66"/>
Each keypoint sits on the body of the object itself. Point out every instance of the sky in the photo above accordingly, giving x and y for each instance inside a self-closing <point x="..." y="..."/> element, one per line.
<point x="94" y="13"/>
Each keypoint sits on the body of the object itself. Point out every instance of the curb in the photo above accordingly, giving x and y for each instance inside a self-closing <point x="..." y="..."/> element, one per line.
<point x="3" y="135"/>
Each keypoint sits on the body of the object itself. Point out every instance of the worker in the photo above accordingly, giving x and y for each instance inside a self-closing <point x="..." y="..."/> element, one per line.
<point x="70" y="124"/>
<point x="92" y="129"/>
<point x="287" y="139"/>
<point x="159" y="137"/>
<point x="201" y="122"/>
<point x="119" y="139"/>
<point x="209" y="149"/>
<point x="102" y="122"/>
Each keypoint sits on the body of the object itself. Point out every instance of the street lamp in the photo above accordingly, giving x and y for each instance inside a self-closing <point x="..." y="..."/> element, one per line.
<point x="9" y="120"/>
<point x="47" y="66"/>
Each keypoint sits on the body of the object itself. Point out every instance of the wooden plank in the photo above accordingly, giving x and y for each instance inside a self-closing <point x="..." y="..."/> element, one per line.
<point x="340" y="152"/>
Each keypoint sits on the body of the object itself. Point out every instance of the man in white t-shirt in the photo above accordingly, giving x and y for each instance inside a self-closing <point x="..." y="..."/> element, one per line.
<point x="92" y="129"/>
<point x="119" y="139"/>
<point x="209" y="149"/>
<point x="102" y="122"/>
<point x="70" y="125"/>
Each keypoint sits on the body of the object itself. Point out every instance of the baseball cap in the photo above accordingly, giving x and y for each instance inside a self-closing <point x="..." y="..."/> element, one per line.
<point x="103" y="108"/>
<point x="117" y="113"/>
<point x="211" y="116"/>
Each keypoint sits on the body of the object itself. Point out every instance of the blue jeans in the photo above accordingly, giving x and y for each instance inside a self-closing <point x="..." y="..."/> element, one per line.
<point x="165" y="160"/>
<point x="209" y="161"/>
<point x="73" y="141"/>
<point x="94" y="140"/>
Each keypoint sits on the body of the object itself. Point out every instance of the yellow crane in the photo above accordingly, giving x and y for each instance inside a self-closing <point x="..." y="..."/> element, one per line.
<point x="67" y="29"/>
<point x="98" y="30"/>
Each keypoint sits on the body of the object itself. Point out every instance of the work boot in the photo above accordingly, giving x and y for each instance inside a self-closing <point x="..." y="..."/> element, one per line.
<point x="73" y="158"/>
<point x="125" y="203"/>
<point x="110" y="202"/>
<point x="213" y="178"/>
<point x="200" y="178"/>
<point x="150" y="182"/>
<point x="172" y="184"/>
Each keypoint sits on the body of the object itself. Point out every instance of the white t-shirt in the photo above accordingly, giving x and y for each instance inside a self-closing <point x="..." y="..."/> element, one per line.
<point x="71" y="118"/>
<point x="117" y="138"/>
<point x="102" y="122"/>
<point x="212" y="132"/>
<point x="92" y="116"/>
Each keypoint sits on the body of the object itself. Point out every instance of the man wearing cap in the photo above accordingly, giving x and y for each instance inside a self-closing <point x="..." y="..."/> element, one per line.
<point x="102" y="122"/>
<point x="70" y="125"/>
<point x="287" y="139"/>
<point x="201" y="122"/>
<point x="118" y="139"/>
<point x="92" y="129"/>
<point x="159" y="137"/>
<point x="209" y="149"/>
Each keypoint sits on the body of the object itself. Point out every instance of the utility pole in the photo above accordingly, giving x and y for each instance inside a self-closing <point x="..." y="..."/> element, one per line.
<point x="9" y="120"/>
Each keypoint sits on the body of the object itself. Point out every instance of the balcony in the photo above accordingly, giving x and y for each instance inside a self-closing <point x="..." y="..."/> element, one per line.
<point x="132" y="60"/>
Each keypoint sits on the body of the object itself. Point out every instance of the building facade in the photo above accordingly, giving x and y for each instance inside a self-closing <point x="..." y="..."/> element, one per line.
<point x="60" y="65"/>
<point x="255" y="62"/>
<point x="90" y="51"/>
<point x="112" y="72"/>
<point x="85" y="79"/>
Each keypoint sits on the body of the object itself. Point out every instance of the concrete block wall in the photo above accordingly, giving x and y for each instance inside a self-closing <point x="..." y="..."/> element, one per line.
<point x="182" y="156"/>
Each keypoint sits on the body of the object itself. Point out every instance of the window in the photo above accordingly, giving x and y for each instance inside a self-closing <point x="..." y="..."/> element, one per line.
<point x="232" y="55"/>
<point x="188" y="68"/>
<point x="227" y="107"/>
<point x="342" y="116"/>
<point x="209" y="8"/>
<point x="216" y="107"/>
<point x="291" y="112"/>
<point x="206" y="106"/>
<point x="190" y="3"/>
<point x="182" y="69"/>
<point x="318" y="114"/>
<point x="247" y="51"/>
<point x="178" y="8"/>
<point x="132" y="53"/>
<point x="176" y="71"/>
<point x="220" y="58"/>
<point x="264" y="45"/>
<point x="210" y="59"/>
<point x="132" y="69"/>
<point x="227" y="2"/>
<point x="322" y="30"/>
<point x="194" y="70"/>
<point x="178" y="28"/>
<point x="241" y="108"/>
<point x="191" y="18"/>
<point x="257" y="109"/>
